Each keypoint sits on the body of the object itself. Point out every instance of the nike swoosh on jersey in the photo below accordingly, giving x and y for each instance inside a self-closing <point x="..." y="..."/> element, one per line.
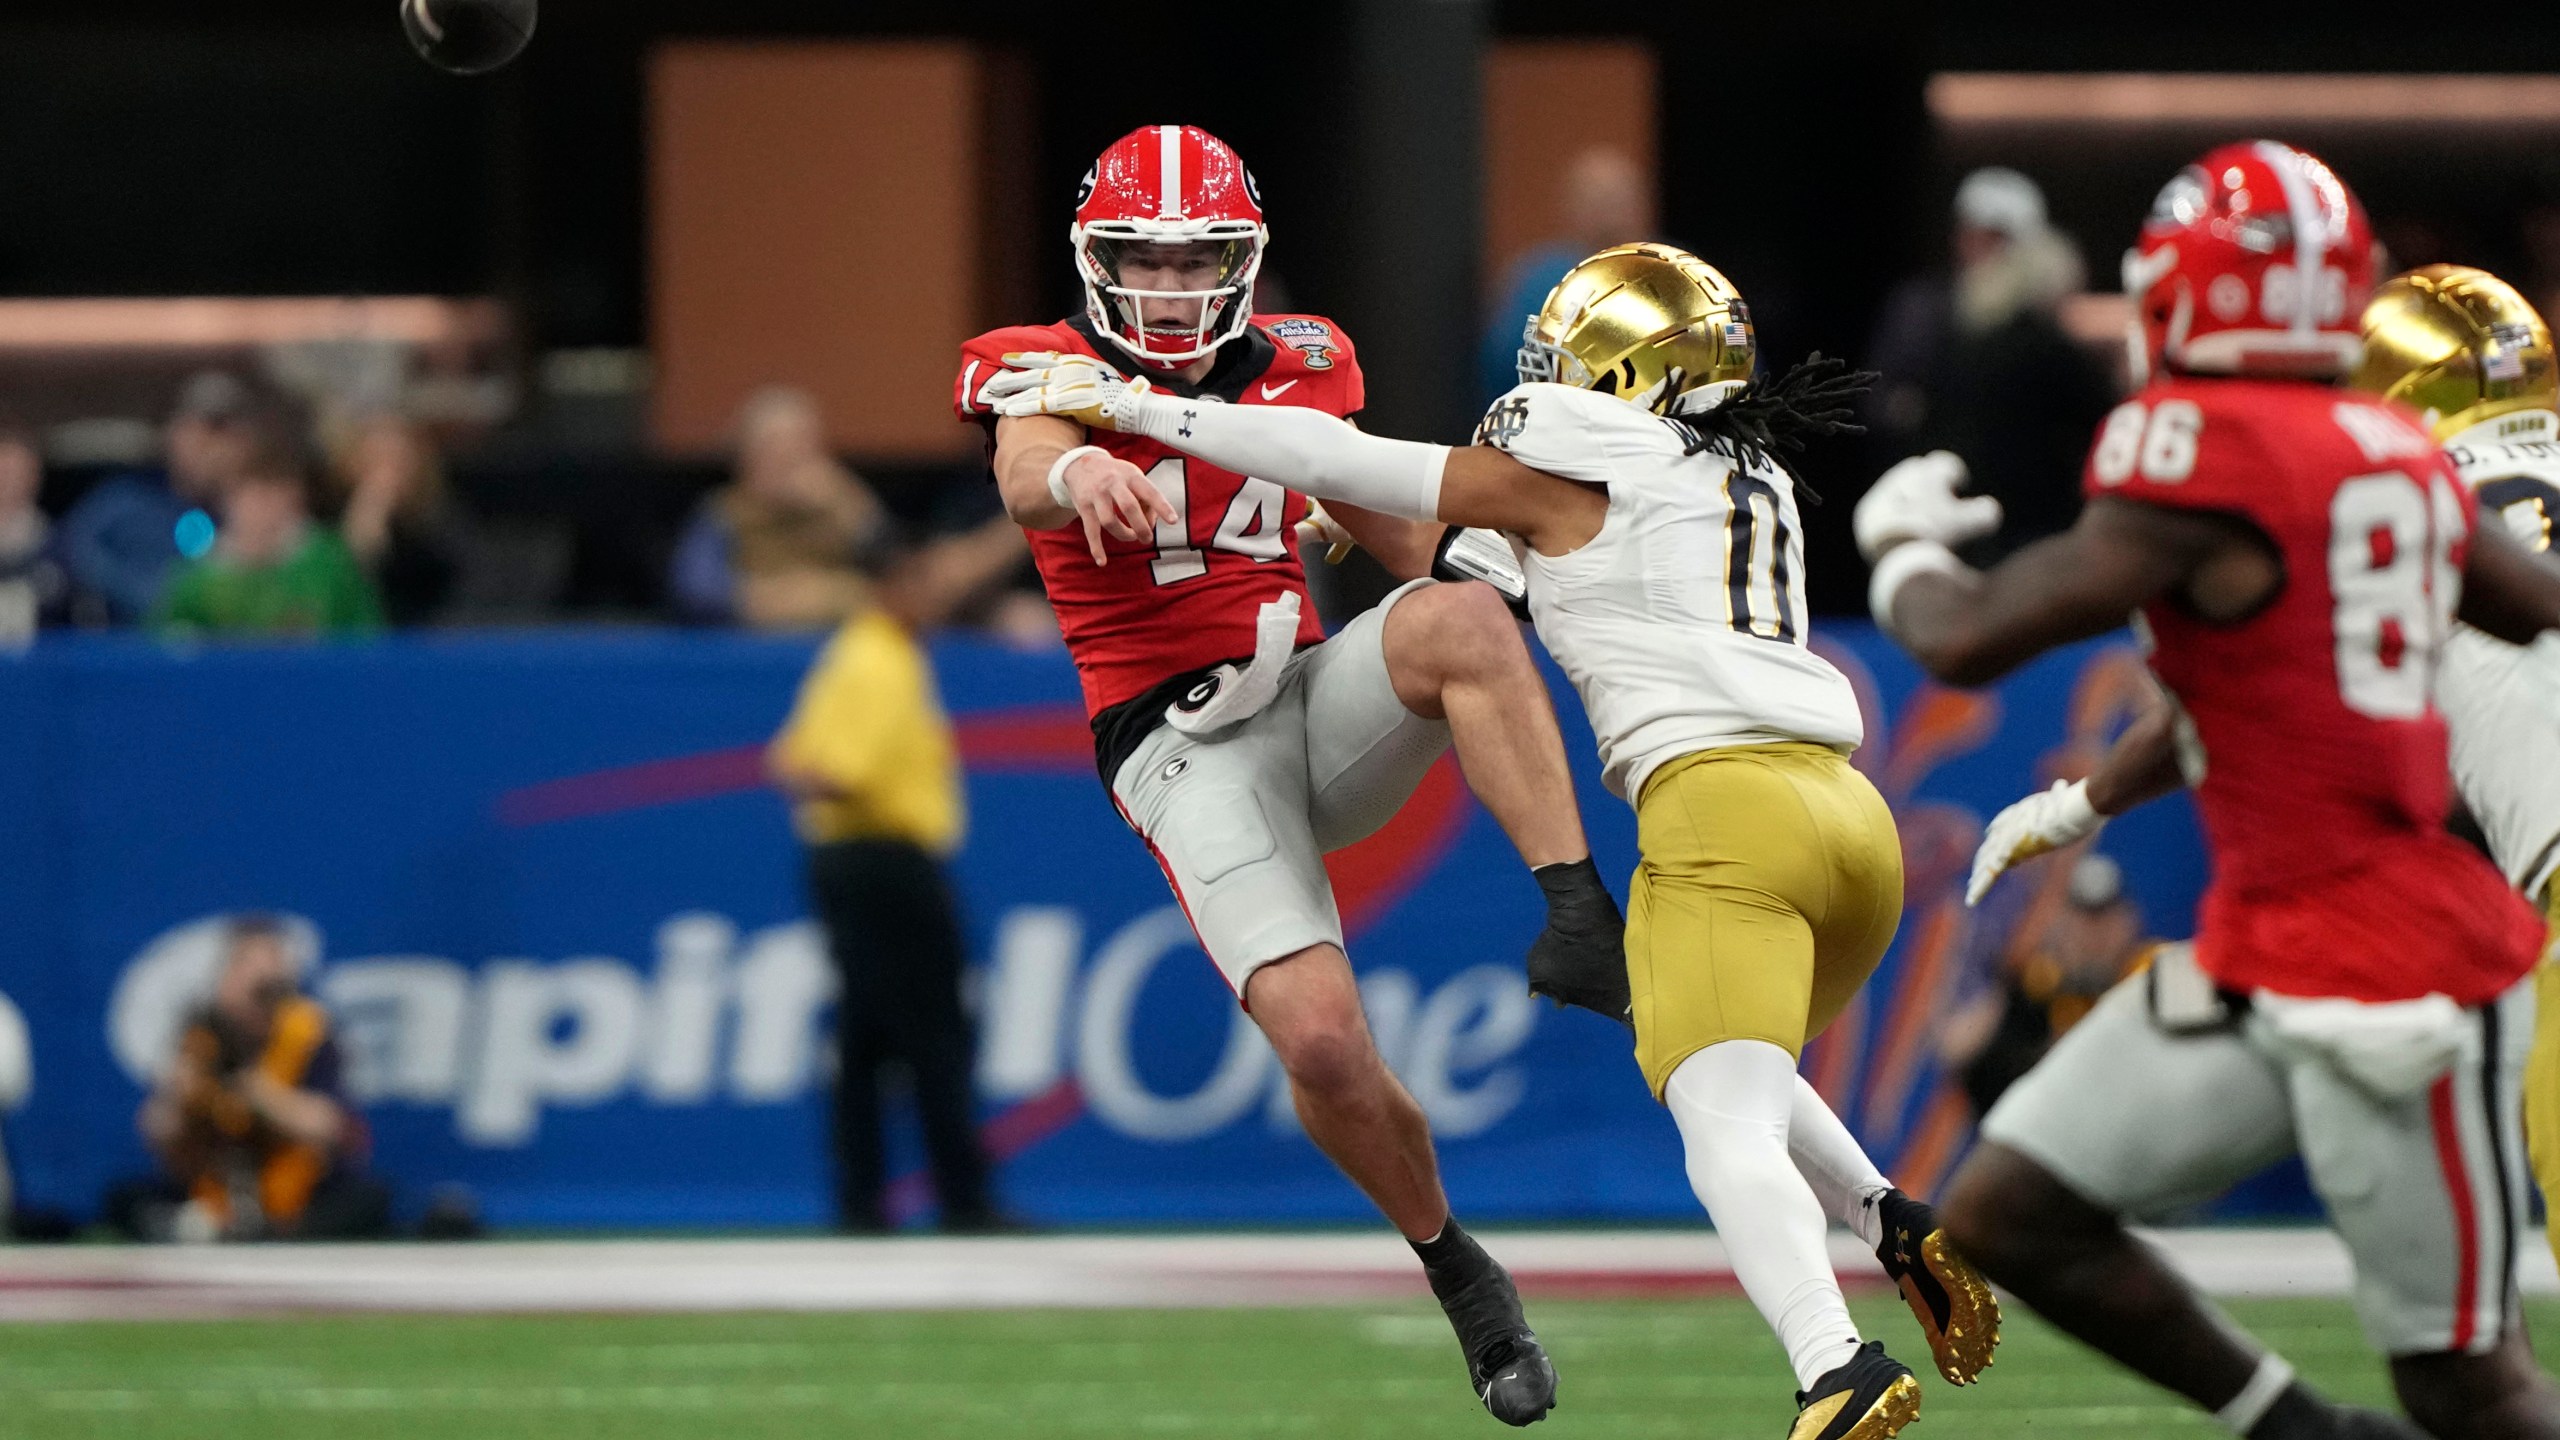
<point x="1273" y="392"/>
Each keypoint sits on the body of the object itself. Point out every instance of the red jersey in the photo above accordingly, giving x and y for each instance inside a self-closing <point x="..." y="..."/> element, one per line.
<point x="2311" y="733"/>
<point x="1187" y="597"/>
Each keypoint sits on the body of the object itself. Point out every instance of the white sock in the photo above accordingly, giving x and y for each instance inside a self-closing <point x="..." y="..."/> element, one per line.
<point x="1731" y="1101"/>
<point x="2267" y="1384"/>
<point x="1835" y="1165"/>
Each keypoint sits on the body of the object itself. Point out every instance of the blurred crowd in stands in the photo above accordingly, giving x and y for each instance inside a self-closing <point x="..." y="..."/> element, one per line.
<point x="268" y="517"/>
<point x="274" y="508"/>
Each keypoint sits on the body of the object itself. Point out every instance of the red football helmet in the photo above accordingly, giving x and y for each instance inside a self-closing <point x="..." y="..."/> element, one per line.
<point x="2257" y="260"/>
<point x="1168" y="185"/>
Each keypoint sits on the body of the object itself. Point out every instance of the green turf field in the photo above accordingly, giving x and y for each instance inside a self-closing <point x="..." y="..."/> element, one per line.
<point x="1630" y="1370"/>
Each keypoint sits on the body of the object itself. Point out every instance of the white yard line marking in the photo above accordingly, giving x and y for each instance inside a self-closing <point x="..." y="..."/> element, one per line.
<point x="1063" y="1272"/>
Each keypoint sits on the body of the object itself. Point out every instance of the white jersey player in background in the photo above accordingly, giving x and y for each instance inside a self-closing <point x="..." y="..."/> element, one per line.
<point x="2462" y="347"/>
<point x="1656" y="536"/>
<point x="2465" y="348"/>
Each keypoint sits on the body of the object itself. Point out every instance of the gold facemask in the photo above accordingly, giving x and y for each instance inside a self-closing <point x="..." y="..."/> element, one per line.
<point x="1648" y="323"/>
<point x="2459" y="344"/>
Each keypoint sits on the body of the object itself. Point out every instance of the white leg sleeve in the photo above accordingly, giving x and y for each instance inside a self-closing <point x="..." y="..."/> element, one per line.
<point x="1732" y="1102"/>
<point x="1835" y="1165"/>
<point x="1304" y="450"/>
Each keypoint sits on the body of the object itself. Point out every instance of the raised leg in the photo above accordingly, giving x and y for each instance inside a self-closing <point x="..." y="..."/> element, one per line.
<point x="1455" y="653"/>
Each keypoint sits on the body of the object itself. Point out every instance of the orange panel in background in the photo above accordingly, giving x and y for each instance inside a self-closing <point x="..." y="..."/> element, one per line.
<point x="815" y="219"/>
<point x="1546" y="101"/>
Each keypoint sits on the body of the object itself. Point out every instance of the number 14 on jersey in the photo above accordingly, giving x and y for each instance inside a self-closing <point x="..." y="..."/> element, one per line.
<point x="1250" y="527"/>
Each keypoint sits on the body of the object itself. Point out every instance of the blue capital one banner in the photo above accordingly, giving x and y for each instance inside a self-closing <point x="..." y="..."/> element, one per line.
<point x="564" y="930"/>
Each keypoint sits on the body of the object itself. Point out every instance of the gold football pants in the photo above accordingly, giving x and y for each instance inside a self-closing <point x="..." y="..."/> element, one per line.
<point x="2542" y="1067"/>
<point x="1770" y="886"/>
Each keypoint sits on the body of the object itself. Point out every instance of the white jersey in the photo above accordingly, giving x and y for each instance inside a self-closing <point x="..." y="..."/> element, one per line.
<point x="1682" y="623"/>
<point x="2502" y="701"/>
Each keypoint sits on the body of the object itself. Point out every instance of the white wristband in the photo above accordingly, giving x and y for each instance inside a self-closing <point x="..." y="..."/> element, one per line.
<point x="1899" y="567"/>
<point x="1058" y="473"/>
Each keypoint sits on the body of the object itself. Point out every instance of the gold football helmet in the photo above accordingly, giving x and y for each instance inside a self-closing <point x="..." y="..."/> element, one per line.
<point x="1651" y="324"/>
<point x="2459" y="344"/>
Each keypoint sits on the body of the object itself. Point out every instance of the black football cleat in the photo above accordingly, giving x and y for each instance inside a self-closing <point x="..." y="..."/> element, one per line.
<point x="1950" y="1299"/>
<point x="1871" y="1397"/>
<point x="1506" y="1366"/>
<point x="1581" y="957"/>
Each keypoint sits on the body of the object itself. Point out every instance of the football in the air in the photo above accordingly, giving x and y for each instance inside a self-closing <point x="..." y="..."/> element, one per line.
<point x="468" y="37"/>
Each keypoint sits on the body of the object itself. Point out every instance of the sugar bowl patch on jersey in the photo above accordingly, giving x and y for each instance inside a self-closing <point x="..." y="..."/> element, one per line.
<point x="1314" y="340"/>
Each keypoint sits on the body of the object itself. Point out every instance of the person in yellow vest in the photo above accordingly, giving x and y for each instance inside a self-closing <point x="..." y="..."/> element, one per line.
<point x="250" y="1125"/>
<point x="869" y="759"/>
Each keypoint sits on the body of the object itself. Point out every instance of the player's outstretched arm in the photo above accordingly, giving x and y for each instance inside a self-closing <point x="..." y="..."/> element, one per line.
<point x="1048" y="477"/>
<point x="1486" y="488"/>
<point x="1403" y="548"/>
<point x="1307" y="451"/>
<point x="2507" y="590"/>
<point x="1026" y="447"/>
<point x="1970" y="627"/>
<point x="2140" y="767"/>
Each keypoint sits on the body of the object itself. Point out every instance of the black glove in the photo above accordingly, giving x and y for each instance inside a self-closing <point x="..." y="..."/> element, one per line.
<point x="1581" y="958"/>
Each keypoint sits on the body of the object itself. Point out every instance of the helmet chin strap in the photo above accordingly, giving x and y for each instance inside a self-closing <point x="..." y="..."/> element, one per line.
<point x="2181" y="319"/>
<point x="1707" y="399"/>
<point x="2139" y="275"/>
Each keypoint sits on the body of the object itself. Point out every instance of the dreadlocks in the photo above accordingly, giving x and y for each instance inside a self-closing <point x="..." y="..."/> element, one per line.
<point x="1810" y="401"/>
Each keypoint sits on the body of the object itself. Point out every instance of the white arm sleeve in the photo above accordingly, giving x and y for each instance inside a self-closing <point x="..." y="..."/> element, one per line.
<point x="1304" y="450"/>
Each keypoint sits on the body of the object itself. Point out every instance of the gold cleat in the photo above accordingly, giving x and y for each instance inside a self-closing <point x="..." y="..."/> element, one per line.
<point x="1950" y="1299"/>
<point x="1871" y="1397"/>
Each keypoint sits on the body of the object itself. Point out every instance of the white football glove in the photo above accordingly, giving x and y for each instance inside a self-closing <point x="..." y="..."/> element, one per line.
<point x="2045" y="821"/>
<point x="1320" y="528"/>
<point x="1917" y="500"/>
<point x="1072" y="387"/>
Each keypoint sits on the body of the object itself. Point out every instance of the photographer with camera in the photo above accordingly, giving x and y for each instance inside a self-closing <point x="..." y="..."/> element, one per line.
<point x="254" y="1136"/>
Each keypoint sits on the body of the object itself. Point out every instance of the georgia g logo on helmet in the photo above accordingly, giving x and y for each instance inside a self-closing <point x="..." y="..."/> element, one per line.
<point x="1161" y="187"/>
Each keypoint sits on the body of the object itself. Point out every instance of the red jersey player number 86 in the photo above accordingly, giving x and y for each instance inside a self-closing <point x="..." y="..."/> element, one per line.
<point x="2394" y="553"/>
